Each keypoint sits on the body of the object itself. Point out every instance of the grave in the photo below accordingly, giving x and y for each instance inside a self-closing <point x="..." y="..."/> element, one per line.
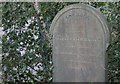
<point x="80" y="38"/>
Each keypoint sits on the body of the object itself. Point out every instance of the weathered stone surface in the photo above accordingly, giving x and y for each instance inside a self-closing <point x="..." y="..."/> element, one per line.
<point x="80" y="37"/>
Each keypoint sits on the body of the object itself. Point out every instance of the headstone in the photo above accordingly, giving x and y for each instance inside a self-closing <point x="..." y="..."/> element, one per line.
<point x="80" y="37"/>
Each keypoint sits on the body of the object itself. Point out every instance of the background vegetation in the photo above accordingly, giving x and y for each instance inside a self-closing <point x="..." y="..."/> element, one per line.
<point x="26" y="47"/>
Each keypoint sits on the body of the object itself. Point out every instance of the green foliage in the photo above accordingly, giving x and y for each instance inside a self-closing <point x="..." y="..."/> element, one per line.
<point x="26" y="54"/>
<point x="27" y="51"/>
<point x="113" y="17"/>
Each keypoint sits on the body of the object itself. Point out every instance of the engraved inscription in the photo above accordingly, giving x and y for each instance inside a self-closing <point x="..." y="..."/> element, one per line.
<point x="76" y="13"/>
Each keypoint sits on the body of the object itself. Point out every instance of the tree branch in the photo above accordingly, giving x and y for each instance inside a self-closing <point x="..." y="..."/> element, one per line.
<point x="40" y="25"/>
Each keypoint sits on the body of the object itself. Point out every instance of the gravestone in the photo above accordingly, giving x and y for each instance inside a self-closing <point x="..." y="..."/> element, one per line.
<point x="80" y="38"/>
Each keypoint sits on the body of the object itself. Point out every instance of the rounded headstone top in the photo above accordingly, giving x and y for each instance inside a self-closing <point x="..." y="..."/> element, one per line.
<point x="90" y="10"/>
